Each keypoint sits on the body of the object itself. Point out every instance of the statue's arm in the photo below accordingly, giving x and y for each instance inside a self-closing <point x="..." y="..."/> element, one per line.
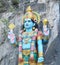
<point x="40" y="47"/>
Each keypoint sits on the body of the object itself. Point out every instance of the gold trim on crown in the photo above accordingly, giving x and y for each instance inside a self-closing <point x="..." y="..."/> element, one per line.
<point x="28" y="9"/>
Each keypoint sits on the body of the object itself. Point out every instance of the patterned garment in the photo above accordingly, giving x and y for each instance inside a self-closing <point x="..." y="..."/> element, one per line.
<point x="29" y="40"/>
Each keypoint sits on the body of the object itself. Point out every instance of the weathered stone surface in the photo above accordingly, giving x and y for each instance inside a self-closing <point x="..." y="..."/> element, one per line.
<point x="8" y="54"/>
<point x="52" y="52"/>
<point x="50" y="10"/>
<point x="2" y="38"/>
<point x="3" y="5"/>
<point x="54" y="20"/>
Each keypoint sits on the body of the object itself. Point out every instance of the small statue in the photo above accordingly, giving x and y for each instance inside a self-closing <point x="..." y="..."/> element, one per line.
<point x="46" y="31"/>
<point x="30" y="39"/>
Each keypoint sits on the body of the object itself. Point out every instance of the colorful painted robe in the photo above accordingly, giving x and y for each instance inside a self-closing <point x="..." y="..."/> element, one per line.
<point x="30" y="43"/>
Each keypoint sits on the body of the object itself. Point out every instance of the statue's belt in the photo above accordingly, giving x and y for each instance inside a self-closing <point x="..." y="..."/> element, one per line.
<point x="27" y="52"/>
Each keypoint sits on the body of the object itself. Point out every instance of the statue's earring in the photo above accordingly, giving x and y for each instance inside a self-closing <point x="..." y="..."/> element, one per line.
<point x="33" y="28"/>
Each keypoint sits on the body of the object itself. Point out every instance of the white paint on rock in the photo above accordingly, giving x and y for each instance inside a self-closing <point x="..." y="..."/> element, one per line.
<point x="54" y="16"/>
<point x="6" y="15"/>
<point x="41" y="1"/>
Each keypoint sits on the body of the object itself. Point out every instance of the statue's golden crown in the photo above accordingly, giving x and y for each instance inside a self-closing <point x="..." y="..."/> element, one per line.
<point x="31" y="15"/>
<point x="28" y="9"/>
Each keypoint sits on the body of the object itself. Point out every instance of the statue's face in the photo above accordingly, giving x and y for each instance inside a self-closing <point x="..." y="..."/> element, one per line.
<point x="28" y="24"/>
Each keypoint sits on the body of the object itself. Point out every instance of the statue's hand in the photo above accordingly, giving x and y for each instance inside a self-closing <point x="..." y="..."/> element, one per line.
<point x="11" y="36"/>
<point x="40" y="59"/>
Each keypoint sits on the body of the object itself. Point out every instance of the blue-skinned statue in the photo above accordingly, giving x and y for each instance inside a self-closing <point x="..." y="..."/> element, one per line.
<point x="30" y="39"/>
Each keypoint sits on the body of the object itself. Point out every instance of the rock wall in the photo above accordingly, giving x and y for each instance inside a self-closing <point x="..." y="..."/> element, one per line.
<point x="47" y="9"/>
<point x="52" y="50"/>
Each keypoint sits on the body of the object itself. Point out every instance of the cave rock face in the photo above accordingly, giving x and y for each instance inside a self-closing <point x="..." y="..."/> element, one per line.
<point x="47" y="9"/>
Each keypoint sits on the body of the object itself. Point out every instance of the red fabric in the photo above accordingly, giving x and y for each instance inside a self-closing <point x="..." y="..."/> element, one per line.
<point x="39" y="33"/>
<point x="31" y="59"/>
<point x="20" y="60"/>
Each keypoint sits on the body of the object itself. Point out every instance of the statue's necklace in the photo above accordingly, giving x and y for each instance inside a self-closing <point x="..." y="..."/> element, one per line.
<point x="27" y="37"/>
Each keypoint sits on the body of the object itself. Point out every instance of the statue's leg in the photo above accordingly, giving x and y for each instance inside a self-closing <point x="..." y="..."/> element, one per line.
<point x="34" y="62"/>
<point x="21" y="63"/>
<point x="26" y="58"/>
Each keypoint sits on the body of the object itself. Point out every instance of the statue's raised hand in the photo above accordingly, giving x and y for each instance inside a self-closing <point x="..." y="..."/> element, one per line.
<point x="11" y="36"/>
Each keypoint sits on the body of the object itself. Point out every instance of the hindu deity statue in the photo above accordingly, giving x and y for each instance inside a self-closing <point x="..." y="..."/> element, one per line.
<point x="30" y="39"/>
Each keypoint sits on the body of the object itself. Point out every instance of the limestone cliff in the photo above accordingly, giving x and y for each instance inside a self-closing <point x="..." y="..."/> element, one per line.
<point x="12" y="11"/>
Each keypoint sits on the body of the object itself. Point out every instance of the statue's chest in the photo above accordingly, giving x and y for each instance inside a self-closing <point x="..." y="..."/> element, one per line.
<point x="27" y="37"/>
